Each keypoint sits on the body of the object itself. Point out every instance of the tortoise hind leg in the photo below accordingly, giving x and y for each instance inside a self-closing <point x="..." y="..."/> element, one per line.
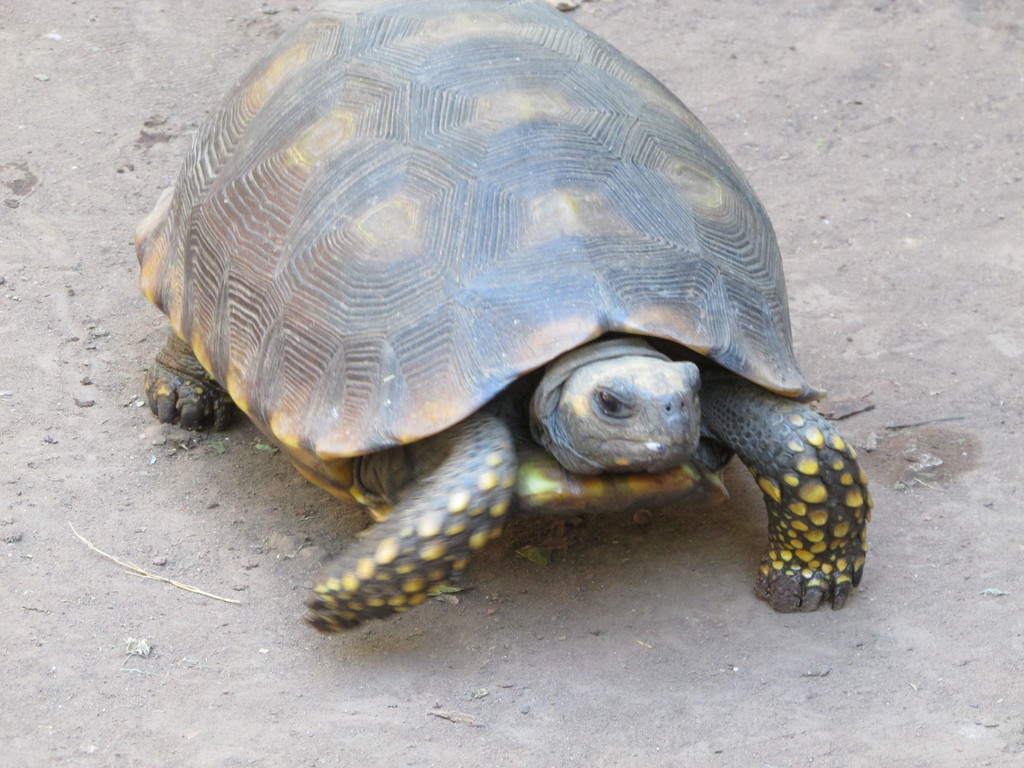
<point x="180" y="390"/>
<point x="814" y="489"/>
<point x="456" y="503"/>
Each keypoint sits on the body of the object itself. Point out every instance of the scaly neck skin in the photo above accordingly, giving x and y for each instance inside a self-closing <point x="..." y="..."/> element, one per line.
<point x="618" y="406"/>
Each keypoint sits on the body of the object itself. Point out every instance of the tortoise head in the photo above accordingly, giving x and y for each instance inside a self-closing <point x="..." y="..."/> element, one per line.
<point x="617" y="406"/>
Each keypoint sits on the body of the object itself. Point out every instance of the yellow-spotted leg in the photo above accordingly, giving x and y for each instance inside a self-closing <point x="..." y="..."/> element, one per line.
<point x="456" y="503"/>
<point x="816" y="493"/>
<point x="181" y="391"/>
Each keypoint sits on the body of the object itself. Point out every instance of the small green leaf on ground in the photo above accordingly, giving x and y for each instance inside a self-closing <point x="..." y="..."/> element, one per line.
<point x="539" y="555"/>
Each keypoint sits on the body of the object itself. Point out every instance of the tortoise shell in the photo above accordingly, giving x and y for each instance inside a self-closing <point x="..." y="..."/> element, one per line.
<point x="405" y="206"/>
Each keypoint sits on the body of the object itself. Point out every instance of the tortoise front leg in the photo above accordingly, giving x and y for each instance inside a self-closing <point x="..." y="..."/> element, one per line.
<point x="815" y="491"/>
<point x="456" y="502"/>
<point x="180" y="390"/>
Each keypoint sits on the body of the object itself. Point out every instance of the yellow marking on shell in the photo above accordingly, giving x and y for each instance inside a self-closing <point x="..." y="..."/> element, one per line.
<point x="567" y="212"/>
<point x="488" y="480"/>
<point x="348" y="583"/>
<point x="797" y="420"/>
<point x="804" y="555"/>
<point x="417" y="599"/>
<point x="319" y="140"/>
<point x="786" y="555"/>
<point x="413" y="585"/>
<point x="387" y="551"/>
<point x="200" y="350"/>
<point x="800" y="525"/>
<point x="807" y="572"/>
<point x="791" y="480"/>
<point x="813" y="492"/>
<point x="770" y="488"/>
<point x="515" y="106"/>
<point x="429" y="526"/>
<point x="841" y="564"/>
<point x="405" y="568"/>
<point x="398" y="601"/>
<point x="796" y="446"/>
<point x="858" y="563"/>
<point x="838" y="464"/>
<point x="818" y="517"/>
<point x="499" y="509"/>
<point x="826" y="568"/>
<point x="433" y="551"/>
<point x="238" y="391"/>
<point x="808" y="466"/>
<point x="389" y="225"/>
<point x="376" y="602"/>
<point x="837" y="442"/>
<point x="861" y="476"/>
<point x="778" y="565"/>
<point x="797" y="508"/>
<point x="355" y="606"/>
<point x="701" y="189"/>
<point x="494" y="460"/>
<point x="841" y="529"/>
<point x="283" y="427"/>
<point x="814" y="436"/>
<point x="846" y="479"/>
<point x="454" y="529"/>
<point x="870" y="501"/>
<point x="261" y="89"/>
<point x="151" y="242"/>
<point x="854" y="498"/>
<point x="815" y="536"/>
<point x="478" y="540"/>
<point x="494" y="533"/>
<point x="366" y="567"/>
<point x="639" y="486"/>
<point x="460" y="564"/>
<point x="459" y="501"/>
<point x="850" y="452"/>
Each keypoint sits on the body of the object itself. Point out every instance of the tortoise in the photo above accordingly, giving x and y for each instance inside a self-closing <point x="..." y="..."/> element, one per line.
<point x="464" y="260"/>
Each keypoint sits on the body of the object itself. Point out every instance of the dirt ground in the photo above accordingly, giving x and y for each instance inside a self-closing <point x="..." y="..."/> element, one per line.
<point x="887" y="141"/>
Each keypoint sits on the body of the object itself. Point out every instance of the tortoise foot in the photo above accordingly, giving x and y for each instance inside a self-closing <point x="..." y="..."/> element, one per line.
<point x="190" y="403"/>
<point x="814" y="490"/>
<point x="180" y="392"/>
<point x="794" y="587"/>
<point x="434" y="529"/>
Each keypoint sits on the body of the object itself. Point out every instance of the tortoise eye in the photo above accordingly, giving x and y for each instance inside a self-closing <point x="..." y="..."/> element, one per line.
<point x="612" y="405"/>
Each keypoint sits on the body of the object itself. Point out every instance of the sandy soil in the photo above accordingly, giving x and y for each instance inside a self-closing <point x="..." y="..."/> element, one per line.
<point x="885" y="139"/>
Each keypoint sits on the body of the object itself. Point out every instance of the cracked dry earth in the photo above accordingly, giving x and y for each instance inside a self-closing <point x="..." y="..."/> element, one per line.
<point x="885" y="139"/>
